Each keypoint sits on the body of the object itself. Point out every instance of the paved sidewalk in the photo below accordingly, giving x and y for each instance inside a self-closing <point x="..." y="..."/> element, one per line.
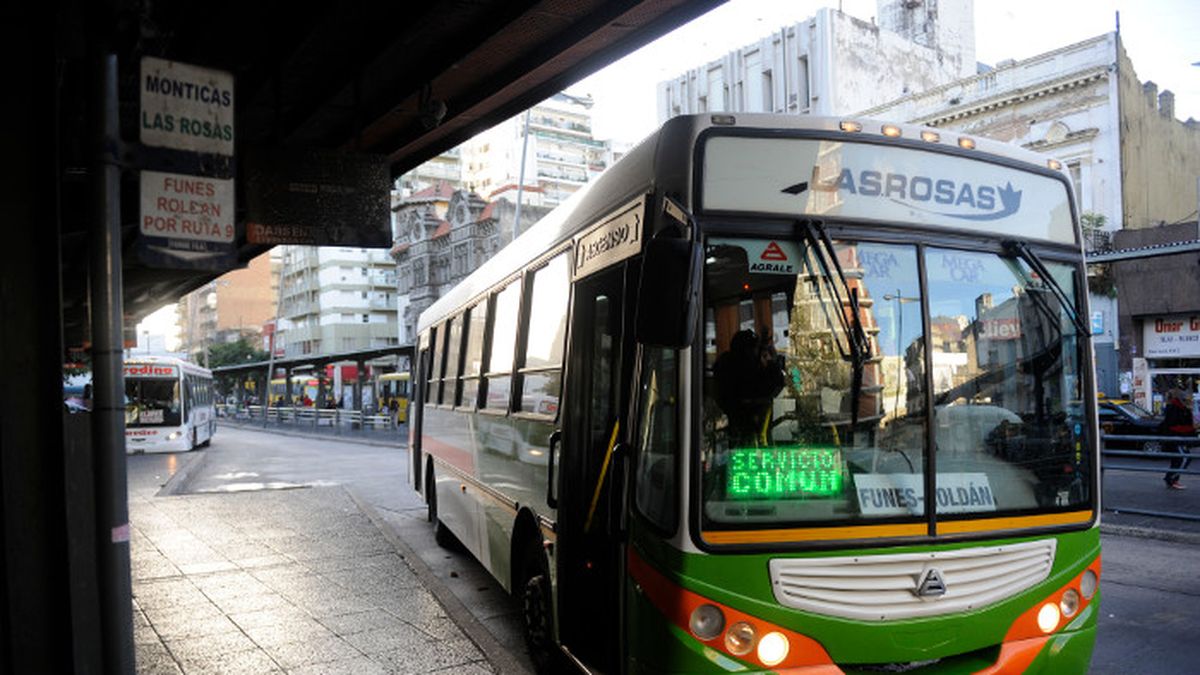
<point x="298" y="581"/>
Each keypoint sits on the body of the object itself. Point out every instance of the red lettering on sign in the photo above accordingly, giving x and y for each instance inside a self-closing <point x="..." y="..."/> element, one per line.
<point x="773" y="252"/>
<point x="1161" y="326"/>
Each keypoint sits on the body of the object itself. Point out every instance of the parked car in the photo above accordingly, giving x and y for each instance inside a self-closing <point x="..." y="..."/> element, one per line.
<point x="1122" y="417"/>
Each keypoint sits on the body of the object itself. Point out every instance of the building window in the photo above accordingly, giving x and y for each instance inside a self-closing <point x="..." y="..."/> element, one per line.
<point x="802" y="94"/>
<point x="1075" y="169"/>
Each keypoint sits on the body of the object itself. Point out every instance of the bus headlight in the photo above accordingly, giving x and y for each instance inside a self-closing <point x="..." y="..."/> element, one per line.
<point x="173" y="435"/>
<point x="1047" y="617"/>
<point x="707" y="622"/>
<point x="1069" y="603"/>
<point x="772" y="648"/>
<point x="740" y="638"/>
<point x="1087" y="585"/>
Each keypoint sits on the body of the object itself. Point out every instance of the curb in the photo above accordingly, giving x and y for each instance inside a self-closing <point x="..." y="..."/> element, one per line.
<point x="496" y="653"/>
<point x="283" y="431"/>
<point x="1192" y="538"/>
<point x="179" y="481"/>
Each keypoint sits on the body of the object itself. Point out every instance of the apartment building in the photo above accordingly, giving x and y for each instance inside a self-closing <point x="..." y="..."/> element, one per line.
<point x="233" y="306"/>
<point x="561" y="154"/>
<point x="336" y="299"/>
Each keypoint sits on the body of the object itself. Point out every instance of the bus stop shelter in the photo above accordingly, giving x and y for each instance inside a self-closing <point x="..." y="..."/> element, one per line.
<point x="399" y="81"/>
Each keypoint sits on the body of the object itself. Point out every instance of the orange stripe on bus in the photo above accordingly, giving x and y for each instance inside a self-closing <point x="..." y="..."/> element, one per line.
<point x="887" y="531"/>
<point x="1015" y="657"/>
<point x="450" y="454"/>
<point x="1013" y="523"/>
<point x="814" y="534"/>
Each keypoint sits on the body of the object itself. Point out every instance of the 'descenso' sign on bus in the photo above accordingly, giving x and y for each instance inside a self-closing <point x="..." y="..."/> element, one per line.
<point x="882" y="183"/>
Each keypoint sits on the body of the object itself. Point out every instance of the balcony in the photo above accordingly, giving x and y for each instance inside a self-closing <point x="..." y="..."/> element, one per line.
<point x="1097" y="241"/>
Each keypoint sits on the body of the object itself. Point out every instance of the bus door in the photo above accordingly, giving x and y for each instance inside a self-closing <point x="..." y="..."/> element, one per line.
<point x="590" y="560"/>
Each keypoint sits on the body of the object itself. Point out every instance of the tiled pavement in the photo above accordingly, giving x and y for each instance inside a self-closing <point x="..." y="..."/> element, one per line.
<point x="298" y="581"/>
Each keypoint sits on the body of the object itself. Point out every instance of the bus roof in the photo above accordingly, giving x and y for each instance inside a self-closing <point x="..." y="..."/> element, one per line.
<point x="657" y="159"/>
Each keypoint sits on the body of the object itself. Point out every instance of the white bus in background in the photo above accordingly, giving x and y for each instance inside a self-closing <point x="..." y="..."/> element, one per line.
<point x="168" y="405"/>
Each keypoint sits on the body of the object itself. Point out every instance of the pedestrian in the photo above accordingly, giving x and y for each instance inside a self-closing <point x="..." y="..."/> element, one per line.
<point x="1177" y="421"/>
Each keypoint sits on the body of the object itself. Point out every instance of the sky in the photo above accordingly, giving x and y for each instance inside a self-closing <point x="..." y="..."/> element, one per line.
<point x="1159" y="36"/>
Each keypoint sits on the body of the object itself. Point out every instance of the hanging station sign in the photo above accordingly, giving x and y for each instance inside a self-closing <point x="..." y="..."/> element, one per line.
<point x="186" y="107"/>
<point x="186" y="221"/>
<point x="317" y="198"/>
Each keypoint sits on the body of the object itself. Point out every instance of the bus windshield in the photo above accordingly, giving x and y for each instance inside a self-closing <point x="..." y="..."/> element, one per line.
<point x="152" y="402"/>
<point x="797" y="430"/>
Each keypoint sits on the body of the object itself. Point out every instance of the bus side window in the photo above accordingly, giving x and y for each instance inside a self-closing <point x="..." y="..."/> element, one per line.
<point x="541" y="379"/>
<point x="476" y="322"/>
<point x="449" y="390"/>
<point x="432" y="372"/>
<point x="658" y="438"/>
<point x="504" y="342"/>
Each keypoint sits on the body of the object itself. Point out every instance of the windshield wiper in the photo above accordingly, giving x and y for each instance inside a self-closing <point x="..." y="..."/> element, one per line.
<point x="1021" y="250"/>
<point x="857" y="344"/>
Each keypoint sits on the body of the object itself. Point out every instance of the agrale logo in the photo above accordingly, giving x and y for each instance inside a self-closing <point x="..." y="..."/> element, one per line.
<point x="941" y="196"/>
<point x="931" y="584"/>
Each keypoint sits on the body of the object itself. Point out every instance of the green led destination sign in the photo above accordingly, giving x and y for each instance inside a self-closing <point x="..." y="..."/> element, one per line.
<point x="787" y="472"/>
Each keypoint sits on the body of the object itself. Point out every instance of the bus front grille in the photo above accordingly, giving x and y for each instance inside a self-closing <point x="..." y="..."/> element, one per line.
<point x="886" y="587"/>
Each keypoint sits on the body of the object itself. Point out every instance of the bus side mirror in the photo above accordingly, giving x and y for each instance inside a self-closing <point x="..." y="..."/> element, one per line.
<point x="668" y="297"/>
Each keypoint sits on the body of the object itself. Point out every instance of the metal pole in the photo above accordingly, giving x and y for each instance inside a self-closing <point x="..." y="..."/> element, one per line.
<point x="266" y="398"/>
<point x="521" y="177"/>
<point x="108" y="387"/>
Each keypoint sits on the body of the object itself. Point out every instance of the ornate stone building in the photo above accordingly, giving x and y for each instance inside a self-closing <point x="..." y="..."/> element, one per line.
<point x="442" y="235"/>
<point x="1132" y="163"/>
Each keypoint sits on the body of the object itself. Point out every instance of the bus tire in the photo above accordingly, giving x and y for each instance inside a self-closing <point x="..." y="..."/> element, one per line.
<point x="537" y="613"/>
<point x="441" y="534"/>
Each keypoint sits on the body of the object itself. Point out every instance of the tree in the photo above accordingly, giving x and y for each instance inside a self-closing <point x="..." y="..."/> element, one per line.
<point x="233" y="353"/>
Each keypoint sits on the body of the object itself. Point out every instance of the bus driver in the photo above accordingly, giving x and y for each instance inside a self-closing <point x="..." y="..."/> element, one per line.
<point x="748" y="378"/>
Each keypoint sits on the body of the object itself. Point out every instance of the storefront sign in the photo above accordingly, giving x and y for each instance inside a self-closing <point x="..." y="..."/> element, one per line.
<point x="1141" y="382"/>
<point x="1171" y="336"/>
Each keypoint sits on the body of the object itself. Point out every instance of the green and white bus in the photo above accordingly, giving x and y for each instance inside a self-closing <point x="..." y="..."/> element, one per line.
<point x="782" y="394"/>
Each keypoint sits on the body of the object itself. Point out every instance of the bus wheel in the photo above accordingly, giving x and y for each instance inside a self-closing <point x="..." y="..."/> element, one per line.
<point x="441" y="534"/>
<point x="537" y="613"/>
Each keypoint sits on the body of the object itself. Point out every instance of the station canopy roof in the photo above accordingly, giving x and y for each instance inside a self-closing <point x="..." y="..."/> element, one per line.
<point x="349" y="76"/>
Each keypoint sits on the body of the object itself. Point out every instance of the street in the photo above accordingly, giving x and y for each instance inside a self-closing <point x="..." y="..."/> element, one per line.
<point x="1150" y="591"/>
